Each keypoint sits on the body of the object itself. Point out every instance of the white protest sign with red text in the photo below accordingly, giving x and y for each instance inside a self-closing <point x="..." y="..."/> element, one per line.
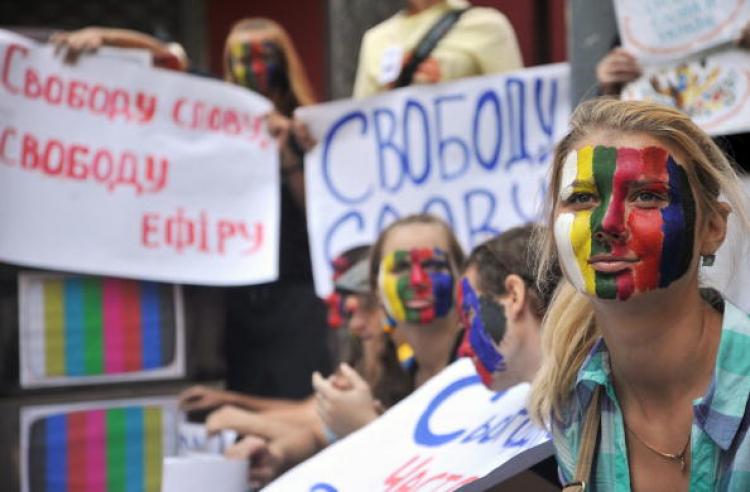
<point x="112" y="168"/>
<point x="448" y="433"/>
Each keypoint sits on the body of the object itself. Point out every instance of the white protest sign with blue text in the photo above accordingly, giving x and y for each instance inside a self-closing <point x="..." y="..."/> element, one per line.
<point x="449" y="432"/>
<point x="658" y="31"/>
<point x="474" y="152"/>
<point x="110" y="167"/>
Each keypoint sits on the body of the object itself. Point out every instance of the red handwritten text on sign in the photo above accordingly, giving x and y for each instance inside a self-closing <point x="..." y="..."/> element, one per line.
<point x="198" y="232"/>
<point x="56" y="90"/>
<point x="414" y="475"/>
<point x="199" y="115"/>
<point x="145" y="173"/>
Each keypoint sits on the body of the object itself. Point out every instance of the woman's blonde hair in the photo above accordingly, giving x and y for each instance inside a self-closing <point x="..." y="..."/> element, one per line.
<point x="299" y="81"/>
<point x="569" y="329"/>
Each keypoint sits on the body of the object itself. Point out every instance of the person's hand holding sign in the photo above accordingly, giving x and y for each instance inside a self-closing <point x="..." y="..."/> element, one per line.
<point x="89" y="39"/>
<point x="271" y="446"/>
<point x="344" y="401"/>
<point x="615" y="70"/>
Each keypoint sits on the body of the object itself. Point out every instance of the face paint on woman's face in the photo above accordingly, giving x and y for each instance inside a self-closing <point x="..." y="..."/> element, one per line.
<point x="416" y="285"/>
<point x="257" y="65"/>
<point x="627" y="220"/>
<point x="485" y="323"/>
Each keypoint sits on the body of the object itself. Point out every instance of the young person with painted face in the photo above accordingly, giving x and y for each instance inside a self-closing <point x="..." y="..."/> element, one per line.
<point x="413" y="267"/>
<point x="276" y="333"/>
<point x="645" y="378"/>
<point x="501" y="306"/>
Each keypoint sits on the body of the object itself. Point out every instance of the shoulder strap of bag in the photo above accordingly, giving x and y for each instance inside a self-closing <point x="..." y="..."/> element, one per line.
<point x="588" y="446"/>
<point x="427" y="44"/>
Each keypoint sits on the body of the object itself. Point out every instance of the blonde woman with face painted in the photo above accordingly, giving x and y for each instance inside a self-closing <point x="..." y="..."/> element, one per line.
<point x="646" y="377"/>
<point x="413" y="267"/>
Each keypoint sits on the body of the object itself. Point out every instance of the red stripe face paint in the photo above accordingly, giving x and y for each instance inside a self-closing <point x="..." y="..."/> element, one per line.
<point x="416" y="285"/>
<point x="633" y="220"/>
<point x="257" y="65"/>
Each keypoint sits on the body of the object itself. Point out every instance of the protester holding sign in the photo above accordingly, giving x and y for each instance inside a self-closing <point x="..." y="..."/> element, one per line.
<point x="684" y="54"/>
<point x="90" y="39"/>
<point x="636" y="357"/>
<point x="435" y="41"/>
<point x="501" y="306"/>
<point x="276" y="332"/>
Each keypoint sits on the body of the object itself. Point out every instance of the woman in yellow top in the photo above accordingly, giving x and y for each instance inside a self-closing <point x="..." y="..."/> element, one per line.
<point x="481" y="42"/>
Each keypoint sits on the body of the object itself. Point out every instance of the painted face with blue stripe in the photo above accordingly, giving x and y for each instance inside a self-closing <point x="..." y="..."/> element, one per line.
<point x="483" y="318"/>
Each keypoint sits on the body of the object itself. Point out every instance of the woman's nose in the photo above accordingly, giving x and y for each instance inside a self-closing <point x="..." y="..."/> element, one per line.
<point x="612" y="227"/>
<point x="610" y="236"/>
<point x="418" y="276"/>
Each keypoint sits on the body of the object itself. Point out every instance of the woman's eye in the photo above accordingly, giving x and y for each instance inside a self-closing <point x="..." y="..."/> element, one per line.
<point x="581" y="198"/>
<point x="435" y="265"/>
<point x="649" y="197"/>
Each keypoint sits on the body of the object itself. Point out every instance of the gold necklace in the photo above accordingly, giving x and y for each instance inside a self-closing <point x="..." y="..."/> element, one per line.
<point x="679" y="457"/>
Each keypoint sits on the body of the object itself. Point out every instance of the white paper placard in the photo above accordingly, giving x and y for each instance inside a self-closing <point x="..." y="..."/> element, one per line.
<point x="113" y="168"/>
<point x="658" y="31"/>
<point x="475" y="152"/>
<point x="202" y="473"/>
<point x="447" y="433"/>
<point x="713" y="89"/>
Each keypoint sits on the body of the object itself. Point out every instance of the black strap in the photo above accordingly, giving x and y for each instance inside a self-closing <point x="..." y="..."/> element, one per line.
<point x="427" y="44"/>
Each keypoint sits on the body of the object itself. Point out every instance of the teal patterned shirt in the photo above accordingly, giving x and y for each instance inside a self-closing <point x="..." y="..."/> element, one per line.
<point x="720" y="444"/>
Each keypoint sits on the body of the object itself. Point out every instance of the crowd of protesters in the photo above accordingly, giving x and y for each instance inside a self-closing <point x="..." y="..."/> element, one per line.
<point x="640" y="373"/>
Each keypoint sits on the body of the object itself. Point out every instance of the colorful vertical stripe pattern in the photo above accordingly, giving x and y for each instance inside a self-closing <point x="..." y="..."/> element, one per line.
<point x="256" y="65"/>
<point x="112" y="450"/>
<point x="95" y="326"/>
<point x="420" y="273"/>
<point x="660" y="238"/>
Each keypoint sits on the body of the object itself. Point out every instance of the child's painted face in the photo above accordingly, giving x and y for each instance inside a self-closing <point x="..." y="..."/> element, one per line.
<point x="626" y="220"/>
<point x="416" y="285"/>
<point x="256" y="64"/>
<point x="485" y="324"/>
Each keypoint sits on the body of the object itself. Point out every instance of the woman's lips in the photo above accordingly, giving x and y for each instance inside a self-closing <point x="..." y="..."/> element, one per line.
<point x="611" y="264"/>
<point x="418" y="303"/>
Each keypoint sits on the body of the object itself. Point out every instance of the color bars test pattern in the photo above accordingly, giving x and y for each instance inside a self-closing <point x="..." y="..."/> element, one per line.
<point x="97" y="447"/>
<point x="77" y="329"/>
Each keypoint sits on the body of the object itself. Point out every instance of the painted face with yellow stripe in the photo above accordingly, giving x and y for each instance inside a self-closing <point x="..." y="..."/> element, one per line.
<point x="257" y="65"/>
<point x="626" y="220"/>
<point x="416" y="285"/>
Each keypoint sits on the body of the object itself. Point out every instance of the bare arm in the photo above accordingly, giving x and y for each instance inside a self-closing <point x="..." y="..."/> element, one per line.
<point x="203" y="397"/>
<point x="89" y="39"/>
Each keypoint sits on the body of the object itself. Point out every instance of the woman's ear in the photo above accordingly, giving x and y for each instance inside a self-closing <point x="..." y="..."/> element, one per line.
<point x="714" y="230"/>
<point x="515" y="297"/>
